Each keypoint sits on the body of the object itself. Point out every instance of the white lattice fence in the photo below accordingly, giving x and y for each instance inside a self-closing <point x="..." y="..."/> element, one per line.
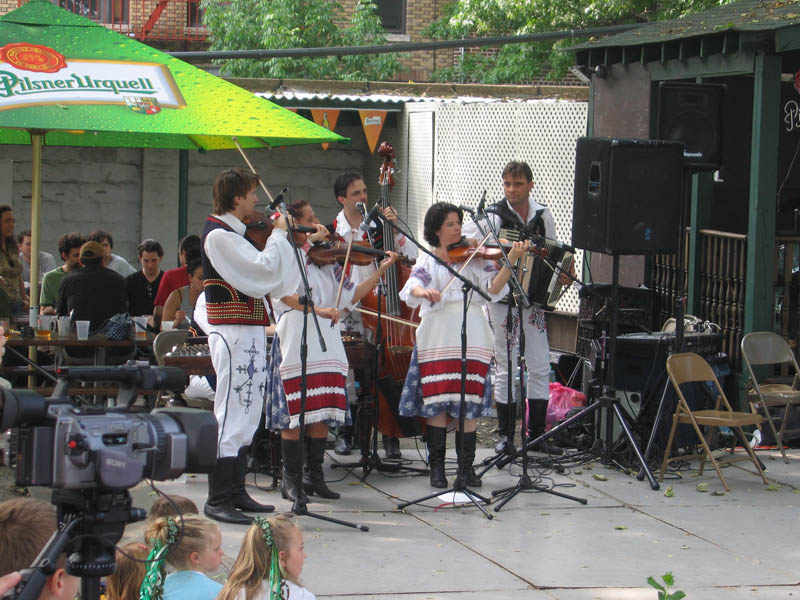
<point x="473" y="142"/>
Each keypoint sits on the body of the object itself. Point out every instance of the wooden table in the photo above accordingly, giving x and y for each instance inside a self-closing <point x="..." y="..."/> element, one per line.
<point x="98" y="342"/>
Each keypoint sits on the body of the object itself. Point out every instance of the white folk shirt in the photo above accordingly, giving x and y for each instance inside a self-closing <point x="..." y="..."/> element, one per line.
<point x="249" y="270"/>
<point x="359" y="273"/>
<point x="471" y="230"/>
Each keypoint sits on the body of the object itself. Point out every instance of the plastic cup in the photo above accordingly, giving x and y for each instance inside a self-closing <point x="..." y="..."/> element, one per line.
<point x="82" y="327"/>
<point x="63" y="326"/>
<point x="140" y="324"/>
<point x="45" y="326"/>
<point x="166" y="325"/>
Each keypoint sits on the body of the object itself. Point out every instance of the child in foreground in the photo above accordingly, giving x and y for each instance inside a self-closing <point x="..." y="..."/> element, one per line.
<point x="124" y="584"/>
<point x="269" y="563"/>
<point x="192" y="552"/>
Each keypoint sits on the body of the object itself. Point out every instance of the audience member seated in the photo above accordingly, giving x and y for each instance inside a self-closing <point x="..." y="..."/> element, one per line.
<point x="46" y="260"/>
<point x="10" y="264"/>
<point x="69" y="246"/>
<point x="179" y="308"/>
<point x="126" y="581"/>
<point x="143" y="285"/>
<point x="94" y="293"/>
<point x="111" y="261"/>
<point x="188" y="249"/>
<point x="26" y="525"/>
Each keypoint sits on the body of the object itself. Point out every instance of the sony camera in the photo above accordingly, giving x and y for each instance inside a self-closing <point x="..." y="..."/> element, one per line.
<point x="75" y="448"/>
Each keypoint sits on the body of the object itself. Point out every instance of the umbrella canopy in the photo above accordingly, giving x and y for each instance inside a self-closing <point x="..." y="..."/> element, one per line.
<point x="88" y="86"/>
<point x="68" y="81"/>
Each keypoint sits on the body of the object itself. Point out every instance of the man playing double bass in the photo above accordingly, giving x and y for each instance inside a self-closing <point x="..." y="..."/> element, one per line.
<point x="350" y="189"/>
<point x="519" y="211"/>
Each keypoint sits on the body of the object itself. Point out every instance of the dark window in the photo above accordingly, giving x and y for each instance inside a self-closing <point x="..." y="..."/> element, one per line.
<point x="392" y="14"/>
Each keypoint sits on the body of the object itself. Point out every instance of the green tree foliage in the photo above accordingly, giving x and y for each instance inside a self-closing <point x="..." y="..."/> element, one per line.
<point x="268" y="24"/>
<point x="523" y="62"/>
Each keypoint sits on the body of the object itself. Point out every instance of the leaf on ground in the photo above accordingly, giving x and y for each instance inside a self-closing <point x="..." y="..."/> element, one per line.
<point x="717" y="493"/>
<point x="669" y="492"/>
<point x="684" y="547"/>
<point x="578" y="472"/>
<point x="620" y="527"/>
<point x="353" y="483"/>
<point x="702" y="487"/>
<point x="773" y="487"/>
<point x="600" y="477"/>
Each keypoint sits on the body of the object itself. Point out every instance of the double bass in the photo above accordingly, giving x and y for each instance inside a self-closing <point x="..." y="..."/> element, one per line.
<point x="398" y="339"/>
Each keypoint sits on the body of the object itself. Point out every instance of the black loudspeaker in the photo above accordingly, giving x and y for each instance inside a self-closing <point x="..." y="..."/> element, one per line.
<point x="627" y="195"/>
<point x="691" y="113"/>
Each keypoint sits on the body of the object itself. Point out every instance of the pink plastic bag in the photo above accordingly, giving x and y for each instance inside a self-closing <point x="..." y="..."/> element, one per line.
<point x="562" y="399"/>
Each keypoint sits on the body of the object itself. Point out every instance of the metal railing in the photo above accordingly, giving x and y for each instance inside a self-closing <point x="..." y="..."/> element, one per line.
<point x="166" y="20"/>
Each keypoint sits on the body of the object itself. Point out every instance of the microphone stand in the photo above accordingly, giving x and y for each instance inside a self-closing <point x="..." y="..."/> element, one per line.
<point x="459" y="485"/>
<point x="519" y="297"/>
<point x="299" y="506"/>
<point x="373" y="460"/>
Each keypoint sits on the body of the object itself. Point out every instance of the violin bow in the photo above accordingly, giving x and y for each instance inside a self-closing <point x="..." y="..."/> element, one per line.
<point x="366" y="311"/>
<point x="249" y="164"/>
<point x="344" y="268"/>
<point x="466" y="262"/>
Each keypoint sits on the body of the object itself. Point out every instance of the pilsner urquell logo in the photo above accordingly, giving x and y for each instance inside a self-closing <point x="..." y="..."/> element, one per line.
<point x="40" y="75"/>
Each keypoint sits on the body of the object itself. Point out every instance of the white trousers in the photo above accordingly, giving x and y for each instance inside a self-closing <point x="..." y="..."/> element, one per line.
<point x="537" y="351"/>
<point x="239" y="355"/>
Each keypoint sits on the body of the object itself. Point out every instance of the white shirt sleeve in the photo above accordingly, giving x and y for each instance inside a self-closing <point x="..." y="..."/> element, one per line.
<point x="256" y="273"/>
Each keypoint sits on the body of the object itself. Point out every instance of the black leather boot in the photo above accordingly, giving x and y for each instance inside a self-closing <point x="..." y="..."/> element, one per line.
<point x="291" y="487"/>
<point x="241" y="499"/>
<point x="537" y="415"/>
<point x="466" y="458"/>
<point x="391" y="447"/>
<point x="344" y="443"/>
<point x="219" y="505"/>
<point x="313" y="476"/>
<point x="436" y="438"/>
<point x="502" y="427"/>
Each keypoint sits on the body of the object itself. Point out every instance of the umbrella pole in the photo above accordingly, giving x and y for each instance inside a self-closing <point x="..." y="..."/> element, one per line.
<point x="37" y="136"/>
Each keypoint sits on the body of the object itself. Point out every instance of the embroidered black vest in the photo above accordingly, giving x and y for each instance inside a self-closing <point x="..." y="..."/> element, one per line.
<point x="226" y="305"/>
<point x="511" y="220"/>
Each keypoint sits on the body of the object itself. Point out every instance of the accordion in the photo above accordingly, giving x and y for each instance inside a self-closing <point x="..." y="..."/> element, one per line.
<point x="539" y="272"/>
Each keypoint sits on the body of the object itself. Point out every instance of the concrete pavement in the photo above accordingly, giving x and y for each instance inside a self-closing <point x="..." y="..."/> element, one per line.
<point x="540" y="546"/>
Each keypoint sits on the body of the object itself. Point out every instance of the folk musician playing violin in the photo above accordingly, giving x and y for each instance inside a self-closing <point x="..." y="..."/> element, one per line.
<point x="326" y="402"/>
<point x="519" y="211"/>
<point x="433" y="385"/>
<point x="350" y="188"/>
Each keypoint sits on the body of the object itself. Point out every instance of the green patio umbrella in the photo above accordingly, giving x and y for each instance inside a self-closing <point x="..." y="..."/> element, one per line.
<point x="68" y="81"/>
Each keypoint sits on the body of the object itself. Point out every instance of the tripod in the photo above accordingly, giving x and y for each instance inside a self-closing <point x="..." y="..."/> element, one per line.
<point x="607" y="401"/>
<point x="373" y="460"/>
<point x="524" y="482"/>
<point x="90" y="521"/>
<point x="460" y="485"/>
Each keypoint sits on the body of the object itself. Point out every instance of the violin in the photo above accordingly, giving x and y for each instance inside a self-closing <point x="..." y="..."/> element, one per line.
<point x="335" y="251"/>
<point x="462" y="251"/>
<point x="259" y="228"/>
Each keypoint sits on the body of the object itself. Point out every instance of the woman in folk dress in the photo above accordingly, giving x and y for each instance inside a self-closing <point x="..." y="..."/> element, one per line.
<point x="433" y="386"/>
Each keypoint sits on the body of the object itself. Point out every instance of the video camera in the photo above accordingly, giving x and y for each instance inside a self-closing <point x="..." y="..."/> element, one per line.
<point x="92" y="455"/>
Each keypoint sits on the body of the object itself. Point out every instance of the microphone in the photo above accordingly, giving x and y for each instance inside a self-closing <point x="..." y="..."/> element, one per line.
<point x="373" y="215"/>
<point x="482" y="203"/>
<point x="362" y="209"/>
<point x="278" y="199"/>
<point x="466" y="209"/>
<point x="304" y="229"/>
